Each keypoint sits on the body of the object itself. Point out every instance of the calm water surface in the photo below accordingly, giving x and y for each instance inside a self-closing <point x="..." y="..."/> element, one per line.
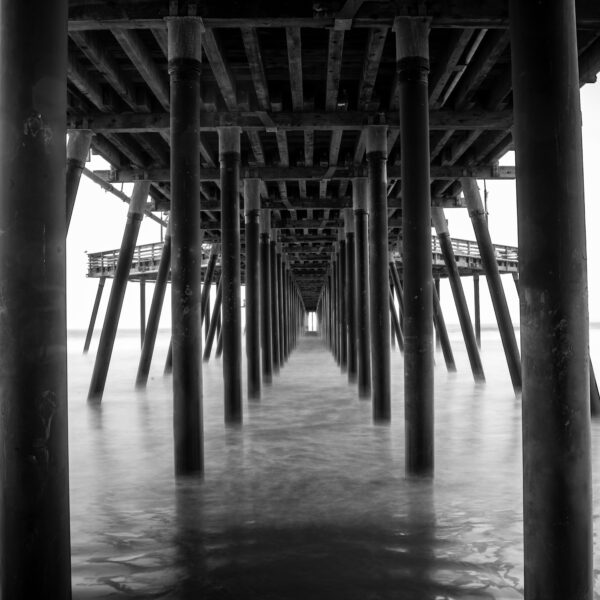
<point x="308" y="499"/>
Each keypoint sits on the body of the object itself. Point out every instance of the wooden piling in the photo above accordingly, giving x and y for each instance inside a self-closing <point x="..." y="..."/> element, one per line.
<point x="94" y="315"/>
<point x="229" y="156"/>
<point x="412" y="55"/>
<point x="378" y="272"/>
<point x="363" y="311"/>
<point x="158" y="296"/>
<point x="35" y="559"/>
<point x="117" y="291"/>
<point x="557" y="478"/>
<point x="466" y="325"/>
<point x="184" y="50"/>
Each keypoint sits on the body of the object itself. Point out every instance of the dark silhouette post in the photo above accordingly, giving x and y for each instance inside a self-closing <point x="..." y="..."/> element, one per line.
<point x="35" y="560"/>
<point x="185" y="36"/>
<point x="412" y="55"/>
<point x="557" y="474"/>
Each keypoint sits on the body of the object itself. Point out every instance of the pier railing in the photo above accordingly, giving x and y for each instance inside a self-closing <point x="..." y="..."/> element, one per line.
<point x="147" y="257"/>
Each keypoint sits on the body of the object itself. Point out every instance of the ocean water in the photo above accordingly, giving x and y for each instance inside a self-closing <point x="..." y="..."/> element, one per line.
<point x="308" y="499"/>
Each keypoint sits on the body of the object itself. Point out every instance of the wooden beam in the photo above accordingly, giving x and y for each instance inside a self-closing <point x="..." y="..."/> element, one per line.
<point x="294" y="48"/>
<point x="449" y="64"/>
<point x="138" y="54"/>
<point x="257" y="148"/>
<point x="443" y="14"/>
<point x="221" y="72"/>
<point x="349" y="9"/>
<point x="334" y="147"/>
<point x="257" y="69"/>
<point x="161" y="37"/>
<point x="370" y="67"/>
<point x="492" y="47"/>
<point x="474" y="118"/>
<point x="88" y="86"/>
<point x="96" y="53"/>
<point x="282" y="147"/>
<point x="280" y="173"/>
<point x="309" y="147"/>
<point x="334" y="68"/>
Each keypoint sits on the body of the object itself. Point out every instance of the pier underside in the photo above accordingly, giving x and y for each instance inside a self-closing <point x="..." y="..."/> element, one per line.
<point x="307" y="152"/>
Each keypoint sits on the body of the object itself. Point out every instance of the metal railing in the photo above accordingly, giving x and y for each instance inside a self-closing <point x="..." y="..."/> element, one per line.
<point x="147" y="256"/>
<point x="470" y="249"/>
<point x="146" y="259"/>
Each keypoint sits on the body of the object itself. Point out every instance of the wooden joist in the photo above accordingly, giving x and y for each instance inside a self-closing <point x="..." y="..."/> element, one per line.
<point x="221" y="72"/>
<point x="294" y="49"/>
<point x="375" y="43"/>
<point x="334" y="68"/>
<point x="257" y="68"/>
<point x="139" y="55"/>
<point x="443" y="119"/>
<point x="315" y="173"/>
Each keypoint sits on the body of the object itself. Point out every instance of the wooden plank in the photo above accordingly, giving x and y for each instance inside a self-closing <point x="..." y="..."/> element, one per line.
<point x="334" y="147"/>
<point x="349" y="9"/>
<point x="359" y="150"/>
<point x="221" y="72"/>
<point x="370" y="67"/>
<point x="257" y="148"/>
<point x="442" y="120"/>
<point x="282" y="147"/>
<point x="334" y="68"/>
<point x="257" y="69"/>
<point x="283" y="195"/>
<point x="294" y="48"/>
<point x="107" y="66"/>
<point x="162" y="39"/>
<point x="135" y="49"/>
<point x="441" y="143"/>
<point x="309" y="147"/>
<point x="88" y="86"/>
<point x="322" y="190"/>
<point x="492" y="47"/>
<point x="447" y="67"/>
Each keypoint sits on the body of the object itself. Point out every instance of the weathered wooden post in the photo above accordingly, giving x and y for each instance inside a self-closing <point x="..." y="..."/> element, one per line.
<point x="557" y="476"/>
<point x="490" y="265"/>
<point x="265" y="296"/>
<point x="97" y="299"/>
<point x="363" y="311"/>
<point x="441" y="228"/>
<point x="477" y="309"/>
<point x="184" y="44"/>
<point x="142" y="309"/>
<point x="35" y="559"/>
<point x="117" y="291"/>
<point x="252" y="210"/>
<point x="229" y="156"/>
<point x="351" y="295"/>
<point x="158" y="296"/>
<point x="412" y="55"/>
<point x="274" y="302"/>
<point x="378" y="272"/>
<point x="214" y="321"/>
<point x="442" y="332"/>
<point x="341" y="262"/>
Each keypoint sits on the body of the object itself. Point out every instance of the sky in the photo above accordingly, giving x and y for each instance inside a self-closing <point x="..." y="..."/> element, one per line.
<point x="99" y="219"/>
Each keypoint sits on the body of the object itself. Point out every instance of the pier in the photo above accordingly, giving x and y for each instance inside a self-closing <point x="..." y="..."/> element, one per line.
<point x="308" y="153"/>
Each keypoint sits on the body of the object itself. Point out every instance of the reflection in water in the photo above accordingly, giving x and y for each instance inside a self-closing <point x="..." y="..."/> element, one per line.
<point x="307" y="500"/>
